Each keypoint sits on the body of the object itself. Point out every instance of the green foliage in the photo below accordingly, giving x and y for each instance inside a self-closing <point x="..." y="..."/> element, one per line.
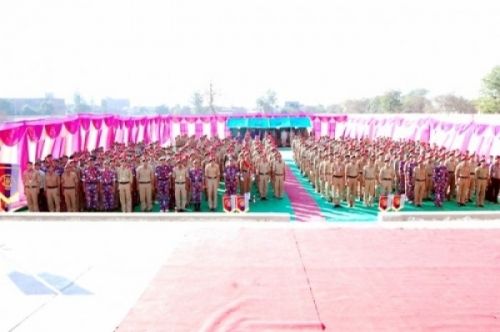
<point x="490" y="99"/>
<point x="268" y="103"/>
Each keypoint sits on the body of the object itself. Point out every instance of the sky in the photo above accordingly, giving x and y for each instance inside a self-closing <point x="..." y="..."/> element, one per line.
<point x="316" y="52"/>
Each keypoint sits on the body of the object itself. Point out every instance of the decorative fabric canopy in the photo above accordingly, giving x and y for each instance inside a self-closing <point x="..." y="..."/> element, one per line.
<point x="269" y="122"/>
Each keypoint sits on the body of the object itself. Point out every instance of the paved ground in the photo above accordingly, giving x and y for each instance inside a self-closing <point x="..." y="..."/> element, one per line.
<point x="86" y="276"/>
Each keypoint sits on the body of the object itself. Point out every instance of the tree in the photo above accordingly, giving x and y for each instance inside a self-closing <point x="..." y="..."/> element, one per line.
<point x="197" y="102"/>
<point x="390" y="102"/>
<point x="268" y="103"/>
<point x="454" y="104"/>
<point x="416" y="101"/>
<point x="357" y="105"/>
<point x="489" y="102"/>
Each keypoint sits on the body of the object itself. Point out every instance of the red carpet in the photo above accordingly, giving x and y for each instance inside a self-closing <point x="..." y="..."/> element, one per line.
<point x="304" y="206"/>
<point x="264" y="279"/>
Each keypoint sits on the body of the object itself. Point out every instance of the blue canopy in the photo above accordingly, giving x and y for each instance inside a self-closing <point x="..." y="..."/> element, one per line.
<point x="269" y="123"/>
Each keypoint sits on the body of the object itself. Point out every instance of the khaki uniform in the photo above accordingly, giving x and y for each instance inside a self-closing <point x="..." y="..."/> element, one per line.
<point x="52" y="189"/>
<point x="32" y="182"/>
<point x="429" y="183"/>
<point x="386" y="178"/>
<point x="125" y="179"/>
<point x="212" y="175"/>
<point x="481" y="183"/>
<point x="279" y="178"/>
<point x="180" y="177"/>
<point x="369" y="178"/>
<point x="338" y="171"/>
<point x="472" y="183"/>
<point x="263" y="169"/>
<point x="420" y="176"/>
<point x="69" y="183"/>
<point x="462" y="178"/>
<point x="451" y="165"/>
<point x="144" y="180"/>
<point x="352" y="173"/>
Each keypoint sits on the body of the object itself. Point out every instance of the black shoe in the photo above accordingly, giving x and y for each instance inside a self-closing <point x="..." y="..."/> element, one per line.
<point x="336" y="206"/>
<point x="481" y="206"/>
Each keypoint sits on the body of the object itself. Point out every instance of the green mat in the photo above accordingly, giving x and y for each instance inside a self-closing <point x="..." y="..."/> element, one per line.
<point x="362" y="213"/>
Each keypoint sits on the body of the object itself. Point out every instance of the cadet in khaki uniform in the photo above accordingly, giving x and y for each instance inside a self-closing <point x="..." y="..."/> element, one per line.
<point x="52" y="190"/>
<point x="145" y="177"/>
<point x="32" y="181"/>
<point x="352" y="173"/>
<point x="180" y="175"/>
<point x="212" y="177"/>
<point x="369" y="178"/>
<point x="338" y="171"/>
<point x="429" y="183"/>
<point x="420" y="176"/>
<point x="263" y="169"/>
<point x="481" y="173"/>
<point x="472" y="184"/>
<point x="451" y="164"/>
<point x="278" y="176"/>
<point x="462" y="178"/>
<point x="329" y="178"/>
<point x="386" y="177"/>
<point x="125" y="179"/>
<point x="69" y="183"/>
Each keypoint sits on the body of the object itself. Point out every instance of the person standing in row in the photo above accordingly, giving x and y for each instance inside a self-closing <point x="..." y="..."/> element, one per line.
<point x="462" y="178"/>
<point x="386" y="178"/>
<point x="52" y="189"/>
<point x="162" y="176"/>
<point x="351" y="173"/>
<point x="338" y="171"/>
<point x="420" y="177"/>
<point x="145" y="177"/>
<point x="90" y="179"/>
<point x="440" y="180"/>
<point x="212" y="177"/>
<point x="197" y="181"/>
<point x="108" y="182"/>
<point x="369" y="177"/>
<point x="278" y="173"/>
<point x="263" y="170"/>
<point x="180" y="178"/>
<point x="495" y="180"/>
<point x="125" y="179"/>
<point x="481" y="174"/>
<point x="69" y="184"/>
<point x="32" y="182"/>
<point x="451" y="164"/>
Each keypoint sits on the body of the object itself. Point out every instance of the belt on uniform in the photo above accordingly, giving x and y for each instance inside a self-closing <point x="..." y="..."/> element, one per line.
<point x="124" y="182"/>
<point x="52" y="187"/>
<point x="352" y="177"/>
<point x="68" y="188"/>
<point x="263" y="173"/>
<point x="145" y="182"/>
<point x="212" y="177"/>
<point x="278" y="174"/>
<point x="338" y="176"/>
<point x="32" y="187"/>
<point x="482" y="178"/>
<point x="420" y="180"/>
<point x="180" y="182"/>
<point x="463" y="177"/>
<point x="387" y="179"/>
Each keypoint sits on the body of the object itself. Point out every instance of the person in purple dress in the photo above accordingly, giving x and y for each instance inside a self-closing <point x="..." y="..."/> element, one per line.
<point x="197" y="180"/>
<point x="440" y="179"/>
<point x="231" y="175"/>
<point x="108" y="181"/>
<point x="409" y="183"/>
<point x="90" y="179"/>
<point x="163" y="173"/>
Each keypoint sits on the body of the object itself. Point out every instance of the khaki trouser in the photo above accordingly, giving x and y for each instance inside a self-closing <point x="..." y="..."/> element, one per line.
<point x="338" y="188"/>
<point x="480" y="191"/>
<point x="328" y="187"/>
<point x="278" y="185"/>
<point x="180" y="196"/>
<point x="386" y="186"/>
<point x="472" y="187"/>
<point x="125" y="197"/>
<point x="429" y="185"/>
<point x="463" y="187"/>
<point x="145" y="196"/>
<point x="352" y="184"/>
<point x="212" y="193"/>
<point x="263" y="180"/>
<point x="419" y="191"/>
<point x="70" y="199"/>
<point x="53" y="199"/>
<point x="32" y="198"/>
<point x="369" y="191"/>
<point x="451" y="185"/>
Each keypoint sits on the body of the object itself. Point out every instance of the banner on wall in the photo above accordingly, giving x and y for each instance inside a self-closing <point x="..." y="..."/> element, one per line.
<point x="9" y="177"/>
